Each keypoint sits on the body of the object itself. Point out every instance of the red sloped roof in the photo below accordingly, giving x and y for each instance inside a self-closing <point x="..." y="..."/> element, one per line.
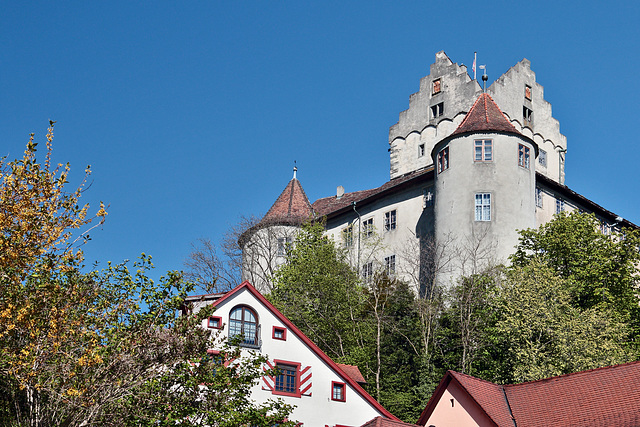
<point x="292" y="206"/>
<point x="485" y="116"/>
<point x="605" y="396"/>
<point x="488" y="395"/>
<point x="385" y="422"/>
<point x="353" y="372"/>
<point x="608" y="396"/>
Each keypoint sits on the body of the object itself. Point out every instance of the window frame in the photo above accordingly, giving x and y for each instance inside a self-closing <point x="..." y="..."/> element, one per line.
<point x="368" y="229"/>
<point x="391" y="220"/>
<point x="289" y="364"/>
<point x="280" y="329"/>
<point x="367" y="272"/>
<point x="347" y="236"/>
<point x="443" y="160"/>
<point x="340" y="385"/>
<point x="542" y="158"/>
<point x="560" y="205"/>
<point x="436" y="86"/>
<point x="283" y="245"/>
<point x="243" y="323"/>
<point x="420" y="150"/>
<point x="524" y="156"/>
<point x="527" y="114"/>
<point x="390" y="264"/>
<point x="527" y="92"/>
<point x="486" y="150"/>
<point x="214" y="322"/>
<point x="539" y="197"/>
<point x="480" y="216"/>
<point x="437" y="110"/>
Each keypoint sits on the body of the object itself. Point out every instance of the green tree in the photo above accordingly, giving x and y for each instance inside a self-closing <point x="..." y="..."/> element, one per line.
<point x="104" y="347"/>
<point x="320" y="293"/>
<point x="600" y="269"/>
<point x="545" y="334"/>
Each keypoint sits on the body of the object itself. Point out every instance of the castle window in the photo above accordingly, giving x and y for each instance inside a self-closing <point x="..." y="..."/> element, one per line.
<point x="539" y="197"/>
<point x="279" y="333"/>
<point x="390" y="264"/>
<point x="367" y="227"/>
<point x="347" y="236"/>
<point x="436" y="86"/>
<point x="483" y="150"/>
<point x="428" y="198"/>
<point x="337" y="391"/>
<point x="559" y="206"/>
<point x="390" y="220"/>
<point x="527" y="114"/>
<point x="367" y="272"/>
<point x="286" y="383"/>
<point x="437" y="110"/>
<point x="483" y="206"/>
<point x="527" y="92"/>
<point x="542" y="158"/>
<point x="443" y="160"/>
<point x="523" y="156"/>
<point x="420" y="150"/>
<point x="243" y="322"/>
<point x="283" y="245"/>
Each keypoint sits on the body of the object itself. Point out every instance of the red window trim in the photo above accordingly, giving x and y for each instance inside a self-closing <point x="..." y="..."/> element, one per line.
<point x="218" y="318"/>
<point x="344" y="391"/>
<point x="279" y="328"/>
<point x="292" y="364"/>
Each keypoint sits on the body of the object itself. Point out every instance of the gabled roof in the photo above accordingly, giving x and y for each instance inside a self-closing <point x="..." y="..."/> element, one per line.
<point x="291" y="207"/>
<point x="485" y="116"/>
<point x="385" y="422"/>
<point x="312" y="346"/>
<point x="353" y="372"/>
<point x="602" y="396"/>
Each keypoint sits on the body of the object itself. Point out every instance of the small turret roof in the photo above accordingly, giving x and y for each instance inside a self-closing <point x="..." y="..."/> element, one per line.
<point x="291" y="207"/>
<point x="484" y="116"/>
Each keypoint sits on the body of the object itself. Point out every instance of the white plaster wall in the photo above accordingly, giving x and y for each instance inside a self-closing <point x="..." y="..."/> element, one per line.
<point x="318" y="409"/>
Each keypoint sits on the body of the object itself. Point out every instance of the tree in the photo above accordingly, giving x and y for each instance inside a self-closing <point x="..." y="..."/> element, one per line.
<point x="103" y="347"/>
<point x="600" y="269"/>
<point x="320" y="293"/>
<point x="545" y="334"/>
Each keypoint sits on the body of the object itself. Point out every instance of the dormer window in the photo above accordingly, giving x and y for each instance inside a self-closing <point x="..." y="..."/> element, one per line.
<point x="243" y="322"/>
<point x="437" y="110"/>
<point x="436" y="86"/>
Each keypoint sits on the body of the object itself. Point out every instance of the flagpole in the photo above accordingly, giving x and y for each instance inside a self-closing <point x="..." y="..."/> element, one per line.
<point x="475" y="56"/>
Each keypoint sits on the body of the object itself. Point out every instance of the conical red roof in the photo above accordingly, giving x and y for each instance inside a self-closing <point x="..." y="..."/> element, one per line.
<point x="292" y="206"/>
<point x="485" y="116"/>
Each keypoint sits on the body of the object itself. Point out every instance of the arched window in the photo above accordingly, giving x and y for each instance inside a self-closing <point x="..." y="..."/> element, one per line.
<point x="243" y="321"/>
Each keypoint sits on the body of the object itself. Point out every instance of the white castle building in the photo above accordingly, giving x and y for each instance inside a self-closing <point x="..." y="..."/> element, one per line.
<point x="468" y="168"/>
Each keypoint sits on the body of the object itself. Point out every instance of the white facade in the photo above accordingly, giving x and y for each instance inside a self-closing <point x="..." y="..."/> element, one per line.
<point x="316" y="375"/>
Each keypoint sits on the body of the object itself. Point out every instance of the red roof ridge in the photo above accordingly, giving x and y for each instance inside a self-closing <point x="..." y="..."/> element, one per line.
<point x="572" y="374"/>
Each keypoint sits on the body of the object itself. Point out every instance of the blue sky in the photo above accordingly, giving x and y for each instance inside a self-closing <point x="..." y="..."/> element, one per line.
<point x="191" y="114"/>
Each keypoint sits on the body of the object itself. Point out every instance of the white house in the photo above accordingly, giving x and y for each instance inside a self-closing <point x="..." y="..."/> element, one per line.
<point x="325" y="393"/>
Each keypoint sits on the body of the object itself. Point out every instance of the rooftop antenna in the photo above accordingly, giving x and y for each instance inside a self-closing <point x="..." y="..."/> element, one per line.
<point x="475" y="56"/>
<point x="295" y="169"/>
<point x="484" y="78"/>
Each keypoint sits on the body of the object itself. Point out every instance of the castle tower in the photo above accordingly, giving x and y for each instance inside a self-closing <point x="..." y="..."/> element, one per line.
<point x="264" y="246"/>
<point x="484" y="186"/>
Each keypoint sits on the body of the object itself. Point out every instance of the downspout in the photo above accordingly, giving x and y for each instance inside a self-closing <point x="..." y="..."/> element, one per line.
<point x="353" y="204"/>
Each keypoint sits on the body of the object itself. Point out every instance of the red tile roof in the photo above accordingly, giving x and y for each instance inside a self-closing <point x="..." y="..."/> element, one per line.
<point x="485" y="116"/>
<point x="605" y="396"/>
<point x="385" y="422"/>
<point x="329" y="205"/>
<point x="291" y="207"/>
<point x="353" y="372"/>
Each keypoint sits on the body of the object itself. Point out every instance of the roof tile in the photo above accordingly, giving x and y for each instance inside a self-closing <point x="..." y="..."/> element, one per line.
<point x="485" y="115"/>
<point x="292" y="206"/>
